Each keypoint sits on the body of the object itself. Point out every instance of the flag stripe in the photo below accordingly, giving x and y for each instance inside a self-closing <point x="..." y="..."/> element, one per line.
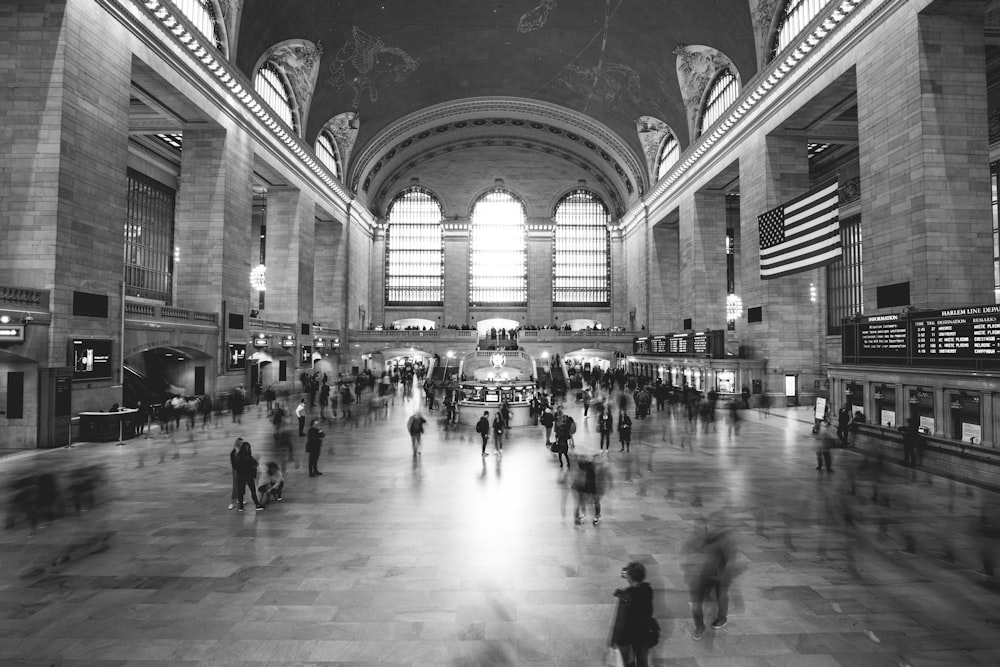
<point x="802" y="234"/>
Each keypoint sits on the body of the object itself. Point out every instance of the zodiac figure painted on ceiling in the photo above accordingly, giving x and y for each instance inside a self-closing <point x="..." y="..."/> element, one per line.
<point x="536" y="18"/>
<point x="365" y="59"/>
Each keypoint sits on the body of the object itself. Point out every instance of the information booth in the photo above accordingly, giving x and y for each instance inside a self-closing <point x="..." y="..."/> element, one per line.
<point x="966" y="417"/>
<point x="478" y="396"/>
<point x="885" y="406"/>
<point x="920" y="403"/>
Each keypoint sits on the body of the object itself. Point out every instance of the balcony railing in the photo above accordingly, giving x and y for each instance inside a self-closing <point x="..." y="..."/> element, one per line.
<point x="271" y="325"/>
<point x="140" y="310"/>
<point x="24" y="297"/>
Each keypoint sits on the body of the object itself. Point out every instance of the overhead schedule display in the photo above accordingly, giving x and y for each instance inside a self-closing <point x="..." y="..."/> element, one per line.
<point x="958" y="333"/>
<point x="701" y="344"/>
<point x="949" y="337"/>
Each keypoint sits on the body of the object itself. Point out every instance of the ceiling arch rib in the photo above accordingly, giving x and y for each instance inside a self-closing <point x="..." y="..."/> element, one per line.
<point x="546" y="128"/>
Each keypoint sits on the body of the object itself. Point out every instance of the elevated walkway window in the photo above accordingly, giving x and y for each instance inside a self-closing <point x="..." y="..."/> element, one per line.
<point x="498" y="267"/>
<point x="203" y="15"/>
<point x="795" y="16"/>
<point x="327" y="154"/>
<point x="149" y="239"/>
<point x="581" y="270"/>
<point x="844" y="279"/>
<point x="721" y="95"/>
<point x="670" y="152"/>
<point x="270" y="84"/>
<point x="414" y="256"/>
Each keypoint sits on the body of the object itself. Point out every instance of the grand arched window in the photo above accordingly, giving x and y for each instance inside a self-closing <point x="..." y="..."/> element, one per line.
<point x="270" y="85"/>
<point x="581" y="270"/>
<point x="498" y="267"/>
<point x="721" y="95"/>
<point x="327" y="153"/>
<point x="414" y="250"/>
<point x="670" y="152"/>
<point x="202" y="14"/>
<point x="795" y="16"/>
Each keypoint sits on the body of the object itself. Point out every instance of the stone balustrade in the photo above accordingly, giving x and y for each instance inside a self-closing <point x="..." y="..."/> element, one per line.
<point x="141" y="310"/>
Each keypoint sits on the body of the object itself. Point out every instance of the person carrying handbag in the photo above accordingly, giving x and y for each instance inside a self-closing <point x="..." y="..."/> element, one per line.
<point x="635" y="630"/>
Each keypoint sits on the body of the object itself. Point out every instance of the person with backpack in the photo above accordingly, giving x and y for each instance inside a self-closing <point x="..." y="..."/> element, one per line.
<point x="483" y="429"/>
<point x="635" y="630"/>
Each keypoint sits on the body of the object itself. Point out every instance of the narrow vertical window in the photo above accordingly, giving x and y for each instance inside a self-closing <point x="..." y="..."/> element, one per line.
<point x="149" y="238"/>
<point x="15" y="395"/>
<point x="721" y="95"/>
<point x="845" y="284"/>
<point x="581" y="267"/>
<point x="995" y="184"/>
<point x="414" y="255"/>
<point x="498" y="258"/>
<point x="270" y="85"/>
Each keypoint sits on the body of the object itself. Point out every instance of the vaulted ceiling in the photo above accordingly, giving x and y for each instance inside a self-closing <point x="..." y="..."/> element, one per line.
<point x="562" y="81"/>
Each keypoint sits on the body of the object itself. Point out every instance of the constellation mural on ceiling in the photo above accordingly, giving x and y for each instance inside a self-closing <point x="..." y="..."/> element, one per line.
<point x="365" y="59"/>
<point x="536" y="18"/>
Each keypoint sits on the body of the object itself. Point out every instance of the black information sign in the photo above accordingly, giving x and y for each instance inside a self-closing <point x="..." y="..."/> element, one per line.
<point x="90" y="358"/>
<point x="640" y="345"/>
<point x="658" y="345"/>
<point x="881" y="336"/>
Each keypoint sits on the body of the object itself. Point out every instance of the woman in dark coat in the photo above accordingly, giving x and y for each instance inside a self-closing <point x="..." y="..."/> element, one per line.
<point x="246" y="475"/>
<point x="314" y="442"/>
<point x="633" y="619"/>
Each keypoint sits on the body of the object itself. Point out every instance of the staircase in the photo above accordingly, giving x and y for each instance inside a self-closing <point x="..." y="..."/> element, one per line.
<point x="137" y="388"/>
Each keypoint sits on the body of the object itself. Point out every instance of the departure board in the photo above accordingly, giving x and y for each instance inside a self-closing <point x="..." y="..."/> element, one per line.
<point x="958" y="333"/>
<point x="701" y="344"/>
<point x="680" y="344"/>
<point x="882" y="336"/>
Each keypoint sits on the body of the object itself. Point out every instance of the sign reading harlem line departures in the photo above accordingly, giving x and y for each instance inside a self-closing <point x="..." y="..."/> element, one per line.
<point x="951" y="335"/>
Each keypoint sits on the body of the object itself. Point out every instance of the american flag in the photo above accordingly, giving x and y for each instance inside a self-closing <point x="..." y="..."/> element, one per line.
<point x="801" y="234"/>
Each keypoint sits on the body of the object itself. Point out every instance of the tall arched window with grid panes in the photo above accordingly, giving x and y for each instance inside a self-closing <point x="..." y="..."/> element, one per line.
<point x="722" y="93"/>
<point x="414" y="250"/>
<point x="581" y="266"/>
<point x="498" y="263"/>
<point x="795" y="16"/>
<point x="670" y="152"/>
<point x="270" y="84"/>
<point x="203" y="14"/>
<point x="326" y="151"/>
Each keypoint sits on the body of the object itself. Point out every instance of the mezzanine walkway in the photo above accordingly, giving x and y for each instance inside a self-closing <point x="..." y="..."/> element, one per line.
<point x="456" y="560"/>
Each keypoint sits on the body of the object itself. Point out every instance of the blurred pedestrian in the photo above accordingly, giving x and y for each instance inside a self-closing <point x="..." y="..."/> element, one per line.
<point x="634" y="626"/>
<point x="300" y="412"/>
<point x="824" y="448"/>
<point x="709" y="568"/>
<point x="272" y="484"/>
<point x="605" y="427"/>
<point x="415" y="427"/>
<point x="498" y="429"/>
<point x="548" y="418"/>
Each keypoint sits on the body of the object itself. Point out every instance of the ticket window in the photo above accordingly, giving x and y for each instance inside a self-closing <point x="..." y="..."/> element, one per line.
<point x="920" y="404"/>
<point x="726" y="381"/>
<point x="854" y="394"/>
<point x="966" y="417"/>
<point x="885" y="406"/>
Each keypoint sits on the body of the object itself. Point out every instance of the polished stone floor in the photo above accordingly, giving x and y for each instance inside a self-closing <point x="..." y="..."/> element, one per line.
<point x="452" y="559"/>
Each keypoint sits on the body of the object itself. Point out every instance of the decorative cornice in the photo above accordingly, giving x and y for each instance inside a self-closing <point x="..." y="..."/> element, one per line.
<point x="531" y="114"/>
<point x="480" y="141"/>
<point x="751" y="97"/>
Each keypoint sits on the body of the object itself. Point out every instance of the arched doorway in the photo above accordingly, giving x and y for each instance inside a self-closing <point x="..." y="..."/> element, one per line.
<point x="156" y="374"/>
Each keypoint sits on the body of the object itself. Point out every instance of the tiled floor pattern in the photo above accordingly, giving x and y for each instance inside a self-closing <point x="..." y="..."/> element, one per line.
<point x="452" y="559"/>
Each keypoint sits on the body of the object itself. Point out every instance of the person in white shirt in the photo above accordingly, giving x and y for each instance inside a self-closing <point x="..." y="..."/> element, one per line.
<point x="300" y="412"/>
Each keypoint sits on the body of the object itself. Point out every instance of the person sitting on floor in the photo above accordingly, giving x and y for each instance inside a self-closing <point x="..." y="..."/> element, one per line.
<point x="272" y="483"/>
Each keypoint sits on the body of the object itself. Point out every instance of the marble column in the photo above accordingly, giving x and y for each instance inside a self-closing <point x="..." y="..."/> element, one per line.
<point x="541" y="236"/>
<point x="456" y="272"/>
<point x="702" y="245"/>
<point x="291" y="224"/>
